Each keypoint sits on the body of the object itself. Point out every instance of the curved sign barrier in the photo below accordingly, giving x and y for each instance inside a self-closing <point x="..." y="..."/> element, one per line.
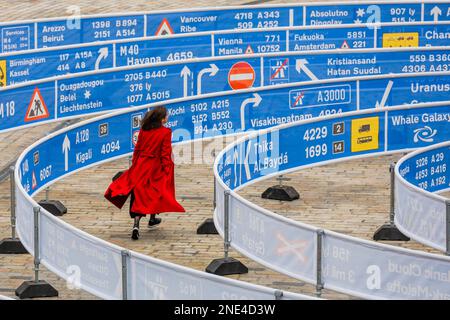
<point x="75" y="96"/>
<point x="419" y="213"/>
<point x="335" y="261"/>
<point x="38" y="64"/>
<point x="107" y="138"/>
<point x="363" y="133"/>
<point x="33" y="34"/>
<point x="226" y="112"/>
<point x="91" y="143"/>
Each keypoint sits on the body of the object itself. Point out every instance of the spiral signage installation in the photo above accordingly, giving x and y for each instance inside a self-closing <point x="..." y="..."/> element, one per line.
<point x="305" y="108"/>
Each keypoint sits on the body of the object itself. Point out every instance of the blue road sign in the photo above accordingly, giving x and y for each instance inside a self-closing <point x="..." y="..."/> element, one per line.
<point x="27" y="105"/>
<point x="250" y="43"/>
<point x="329" y="39"/>
<point x="427" y="170"/>
<point x="17" y="37"/>
<point x="43" y="64"/>
<point x="66" y="32"/>
<point x="197" y="21"/>
<point x="318" y="66"/>
<point x="329" y="139"/>
<point x="436" y="11"/>
<point x="20" y="67"/>
<point x="414" y="129"/>
<point x="219" y="114"/>
<point x="160" y="50"/>
<point x="70" y="30"/>
<point x="362" y="13"/>
<point x="134" y="86"/>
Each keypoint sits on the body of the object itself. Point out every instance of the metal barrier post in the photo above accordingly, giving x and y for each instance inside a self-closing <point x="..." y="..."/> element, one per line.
<point x="125" y="256"/>
<point x="447" y="237"/>
<point x="12" y="245"/>
<point x="13" y="204"/>
<point x="207" y="226"/>
<point x="36" y="288"/>
<point x="389" y="231"/>
<point x="278" y="294"/>
<point x="47" y="193"/>
<point x="214" y="196"/>
<point x="392" y="203"/>
<point x="319" y="282"/>
<point x="226" y="265"/>
<point x="226" y="221"/>
<point x="36" y="212"/>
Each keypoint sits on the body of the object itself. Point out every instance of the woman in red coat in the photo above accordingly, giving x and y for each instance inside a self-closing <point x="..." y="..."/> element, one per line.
<point x="150" y="179"/>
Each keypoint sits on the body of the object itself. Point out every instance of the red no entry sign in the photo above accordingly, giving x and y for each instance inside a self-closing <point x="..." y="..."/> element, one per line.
<point x="241" y="76"/>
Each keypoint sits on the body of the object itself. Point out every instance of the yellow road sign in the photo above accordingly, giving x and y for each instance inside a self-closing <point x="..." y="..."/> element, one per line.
<point x="3" y="74"/>
<point x="399" y="40"/>
<point x="365" y="133"/>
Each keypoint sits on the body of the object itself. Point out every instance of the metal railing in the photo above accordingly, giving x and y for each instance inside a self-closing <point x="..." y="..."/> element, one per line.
<point x="327" y="259"/>
<point x="112" y="272"/>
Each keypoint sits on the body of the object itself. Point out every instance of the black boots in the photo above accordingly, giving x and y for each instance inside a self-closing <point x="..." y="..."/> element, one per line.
<point x="135" y="233"/>
<point x="154" y="221"/>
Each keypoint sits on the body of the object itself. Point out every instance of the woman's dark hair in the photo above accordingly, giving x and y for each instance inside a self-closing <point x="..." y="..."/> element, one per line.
<point x="153" y="118"/>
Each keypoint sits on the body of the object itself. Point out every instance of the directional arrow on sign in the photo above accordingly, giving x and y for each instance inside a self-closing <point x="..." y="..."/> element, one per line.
<point x="65" y="150"/>
<point x="256" y="100"/>
<point x="185" y="73"/>
<point x="212" y="72"/>
<point x="235" y="159"/>
<point x="246" y="166"/>
<point x="300" y="64"/>
<point x="436" y="12"/>
<point x="103" y="54"/>
<point x="385" y="95"/>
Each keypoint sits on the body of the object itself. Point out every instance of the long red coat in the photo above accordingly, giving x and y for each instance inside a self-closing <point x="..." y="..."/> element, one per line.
<point x="150" y="177"/>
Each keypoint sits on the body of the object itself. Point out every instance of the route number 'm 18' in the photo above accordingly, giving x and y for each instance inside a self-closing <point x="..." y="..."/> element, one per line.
<point x="7" y="109"/>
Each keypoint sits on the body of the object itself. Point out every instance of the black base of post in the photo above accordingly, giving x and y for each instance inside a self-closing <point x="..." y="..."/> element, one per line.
<point x="389" y="232"/>
<point x="226" y="266"/>
<point x="32" y="289"/>
<point x="207" y="227"/>
<point x="117" y="175"/>
<point x="12" y="246"/>
<point x="55" y="207"/>
<point x="282" y="193"/>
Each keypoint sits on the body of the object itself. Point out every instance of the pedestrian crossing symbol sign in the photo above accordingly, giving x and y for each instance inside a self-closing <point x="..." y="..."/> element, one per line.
<point x="37" y="108"/>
